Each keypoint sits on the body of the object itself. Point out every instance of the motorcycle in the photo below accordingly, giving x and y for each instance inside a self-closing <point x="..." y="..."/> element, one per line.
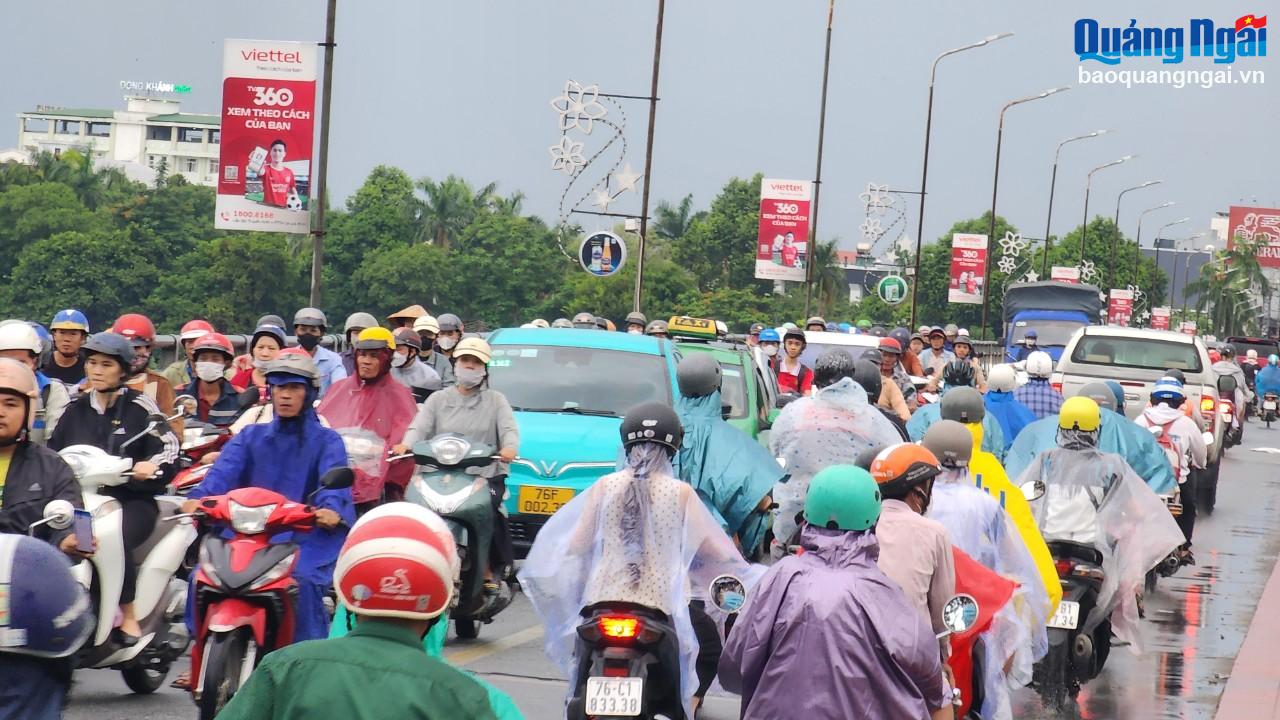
<point x="442" y="485"/>
<point x="159" y="598"/>
<point x="1226" y="409"/>
<point x="244" y="603"/>
<point x="964" y="621"/>
<point x="1269" y="404"/>
<point x="1074" y="657"/>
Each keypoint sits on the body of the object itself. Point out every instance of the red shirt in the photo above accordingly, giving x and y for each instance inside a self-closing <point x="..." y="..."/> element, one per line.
<point x="277" y="185"/>
<point x="800" y="383"/>
<point x="789" y="256"/>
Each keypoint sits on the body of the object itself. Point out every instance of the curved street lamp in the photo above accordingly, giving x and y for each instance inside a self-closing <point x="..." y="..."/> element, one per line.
<point x="1161" y="230"/>
<point x="1084" y="229"/>
<point x="1137" y="249"/>
<point x="1113" y="270"/>
<point x="1053" y="181"/>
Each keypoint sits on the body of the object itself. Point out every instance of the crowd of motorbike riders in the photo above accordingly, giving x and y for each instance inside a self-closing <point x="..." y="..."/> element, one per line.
<point x="899" y="478"/>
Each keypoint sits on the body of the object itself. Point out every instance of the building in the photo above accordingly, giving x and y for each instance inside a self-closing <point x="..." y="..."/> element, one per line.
<point x="150" y="130"/>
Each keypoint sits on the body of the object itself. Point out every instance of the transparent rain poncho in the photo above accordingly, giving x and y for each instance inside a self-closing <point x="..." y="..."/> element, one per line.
<point x="832" y="427"/>
<point x="638" y="535"/>
<point x="1095" y="497"/>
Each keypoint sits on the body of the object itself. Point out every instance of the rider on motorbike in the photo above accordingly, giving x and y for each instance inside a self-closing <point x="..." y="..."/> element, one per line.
<point x="1228" y="366"/>
<point x="357" y="322"/>
<point x="826" y="633"/>
<point x="217" y="400"/>
<point x="1268" y="378"/>
<point x="1166" y="413"/>
<point x="1038" y="394"/>
<point x="957" y="374"/>
<point x="1001" y="404"/>
<point x="19" y="341"/>
<point x="409" y="369"/>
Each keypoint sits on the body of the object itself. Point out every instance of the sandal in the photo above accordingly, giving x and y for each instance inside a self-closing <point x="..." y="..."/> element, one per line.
<point x="183" y="681"/>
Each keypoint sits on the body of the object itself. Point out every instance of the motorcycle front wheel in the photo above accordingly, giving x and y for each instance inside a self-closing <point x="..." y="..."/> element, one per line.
<point x="228" y="658"/>
<point x="142" y="680"/>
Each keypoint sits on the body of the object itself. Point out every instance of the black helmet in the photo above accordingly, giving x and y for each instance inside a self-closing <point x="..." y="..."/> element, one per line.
<point x="950" y="442"/>
<point x="652" y="422"/>
<point x="796" y="333"/>
<point x="1100" y="393"/>
<point x="868" y="456"/>
<point x="872" y="354"/>
<point x="698" y="375"/>
<point x="1176" y="374"/>
<point x="867" y="374"/>
<point x="831" y="366"/>
<point x="958" y="373"/>
<point x="112" y="345"/>
<point x="964" y="405"/>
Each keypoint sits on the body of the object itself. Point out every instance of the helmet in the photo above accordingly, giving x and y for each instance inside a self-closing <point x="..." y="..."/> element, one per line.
<point x="359" y="320"/>
<point x="863" y="323"/>
<point x="831" y="366"/>
<point x="935" y="330"/>
<point x="872" y="354"/>
<point x="426" y="323"/>
<point x="1167" y="388"/>
<point x="270" y="320"/>
<point x="564" y="323"/>
<point x="399" y="560"/>
<point x="755" y="328"/>
<point x="1273" y="359"/>
<point x="603" y="323"/>
<point x="18" y="379"/>
<point x="584" y="321"/>
<point x="769" y="335"/>
<point x="963" y="404"/>
<point x="70" y="319"/>
<point x="951" y="329"/>
<point x="1228" y="350"/>
<point x="413" y="312"/>
<point x="902" y="466"/>
<point x="950" y="442"/>
<point x="1031" y="334"/>
<point x="815" y="320"/>
<point x="375" y="338"/>
<point x="844" y="327"/>
<point x="194" y="329"/>
<point x="868" y="456"/>
<point x="1079" y="413"/>
<point x="962" y="338"/>
<point x="213" y="341"/>
<point x="902" y="335"/>
<point x="656" y="327"/>
<point x="47" y="613"/>
<point x="1039" y="364"/>
<point x="788" y="326"/>
<point x="652" y="422"/>
<point x="832" y="327"/>
<point x="405" y="336"/>
<point x="1101" y="394"/>
<point x="923" y="330"/>
<point x="867" y="374"/>
<point x="1002" y="378"/>
<point x="958" y="373"/>
<point x="1214" y="356"/>
<point x="475" y="347"/>
<point x="540" y="323"/>
<point x="796" y="333"/>
<point x="1178" y="375"/>
<point x="637" y="318"/>
<point x="111" y="345"/>
<point x="46" y="340"/>
<point x="19" y="336"/>
<point x="1117" y="395"/>
<point x="1251" y="354"/>
<point x="449" y="322"/>
<point x="137" y="328"/>
<point x="890" y="345"/>
<point x="293" y="365"/>
<point x="842" y="497"/>
<point x="272" y="331"/>
<point x="698" y="375"/>
<point x="311" y="316"/>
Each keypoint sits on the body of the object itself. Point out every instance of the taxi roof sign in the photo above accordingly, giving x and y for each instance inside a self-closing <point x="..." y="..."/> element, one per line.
<point x="690" y="327"/>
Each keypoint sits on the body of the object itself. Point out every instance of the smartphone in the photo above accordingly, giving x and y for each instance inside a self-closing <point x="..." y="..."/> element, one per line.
<point x="83" y="525"/>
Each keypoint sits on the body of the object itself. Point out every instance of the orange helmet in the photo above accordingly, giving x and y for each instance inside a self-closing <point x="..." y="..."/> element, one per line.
<point x="213" y="341"/>
<point x="195" y="329"/>
<point x="137" y="328"/>
<point x="900" y="467"/>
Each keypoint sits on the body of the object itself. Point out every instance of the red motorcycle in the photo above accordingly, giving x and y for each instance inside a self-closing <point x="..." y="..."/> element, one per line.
<point x="199" y="440"/>
<point x="981" y="593"/>
<point x="244" y="587"/>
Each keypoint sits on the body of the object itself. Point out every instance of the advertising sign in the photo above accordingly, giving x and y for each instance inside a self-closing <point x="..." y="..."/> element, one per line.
<point x="1059" y="273"/>
<point x="1256" y="224"/>
<point x="782" y="243"/>
<point x="1160" y="318"/>
<point x="602" y="253"/>
<point x="968" y="268"/>
<point x="268" y="123"/>
<point x="892" y="289"/>
<point x="1120" y="307"/>
<point x="1188" y="327"/>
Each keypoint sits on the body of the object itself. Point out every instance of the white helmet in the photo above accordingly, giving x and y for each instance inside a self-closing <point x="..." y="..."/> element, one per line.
<point x="18" y="335"/>
<point x="1002" y="378"/>
<point x="1039" y="364"/>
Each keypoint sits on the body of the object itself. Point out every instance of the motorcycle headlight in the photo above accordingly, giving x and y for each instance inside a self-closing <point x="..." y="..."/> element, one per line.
<point x="250" y="520"/>
<point x="276" y="572"/>
<point x="450" y="450"/>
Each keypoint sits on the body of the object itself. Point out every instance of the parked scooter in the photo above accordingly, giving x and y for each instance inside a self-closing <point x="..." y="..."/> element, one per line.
<point x="244" y="604"/>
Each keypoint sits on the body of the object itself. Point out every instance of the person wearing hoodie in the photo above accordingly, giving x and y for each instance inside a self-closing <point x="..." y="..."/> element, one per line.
<point x="959" y="384"/>
<point x="878" y="658"/>
<point x="1228" y="367"/>
<point x="1001" y="404"/>
<point x="1268" y="378"/>
<point x="1165" y="412"/>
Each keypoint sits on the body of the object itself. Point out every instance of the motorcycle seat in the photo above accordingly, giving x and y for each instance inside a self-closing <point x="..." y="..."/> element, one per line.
<point x="169" y="507"/>
<point x="1078" y="551"/>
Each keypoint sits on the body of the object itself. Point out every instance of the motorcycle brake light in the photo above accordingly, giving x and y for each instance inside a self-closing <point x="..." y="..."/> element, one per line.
<point x="1206" y="404"/>
<point x="1226" y="407"/>
<point x="1063" y="566"/>
<point x="619" y="628"/>
<point x="1056" y="386"/>
<point x="616" y="671"/>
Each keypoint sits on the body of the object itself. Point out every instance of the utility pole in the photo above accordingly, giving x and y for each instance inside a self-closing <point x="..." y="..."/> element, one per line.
<point x="322" y="162"/>
<point x="648" y="156"/>
<point x="817" y="174"/>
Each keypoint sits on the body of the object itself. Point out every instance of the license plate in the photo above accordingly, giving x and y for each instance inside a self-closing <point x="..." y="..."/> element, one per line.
<point x="614" y="697"/>
<point x="537" y="500"/>
<point x="1269" y="405"/>
<point x="1067" y="616"/>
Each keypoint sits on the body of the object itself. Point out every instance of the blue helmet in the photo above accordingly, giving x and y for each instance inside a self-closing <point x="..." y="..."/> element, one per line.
<point x="46" y="340"/>
<point x="769" y="335"/>
<point x="844" y="327"/>
<point x="70" y="319"/>
<point x="1118" y="391"/>
<point x="48" y="611"/>
<point x="831" y="327"/>
<point x="1167" y="388"/>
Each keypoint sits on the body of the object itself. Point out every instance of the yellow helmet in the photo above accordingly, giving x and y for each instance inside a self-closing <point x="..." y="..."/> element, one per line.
<point x="375" y="338"/>
<point x="1079" y="413"/>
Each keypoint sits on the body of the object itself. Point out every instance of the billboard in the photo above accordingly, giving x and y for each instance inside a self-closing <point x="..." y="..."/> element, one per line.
<point x="1120" y="307"/>
<point x="1160" y="318"/>
<point x="268" y="124"/>
<point x="1256" y="224"/>
<point x="968" y="268"/>
<point x="1059" y="273"/>
<point x="782" y="243"/>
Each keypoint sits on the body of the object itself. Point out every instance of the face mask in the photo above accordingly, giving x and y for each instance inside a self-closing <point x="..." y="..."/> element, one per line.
<point x="261" y="364"/>
<point x="308" y="342"/>
<point x="399" y="360"/>
<point x="770" y="350"/>
<point x="634" y="331"/>
<point x="209" y="371"/>
<point x="446" y="342"/>
<point x="469" y="377"/>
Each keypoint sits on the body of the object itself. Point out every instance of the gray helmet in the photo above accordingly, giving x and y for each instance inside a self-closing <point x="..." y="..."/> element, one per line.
<point x="561" y="323"/>
<point x="584" y="321"/>
<point x="867" y="374"/>
<point x="449" y="322"/>
<point x="362" y="320"/>
<point x="656" y="327"/>
<point x="294" y="364"/>
<point x="112" y="345"/>
<point x="963" y="404"/>
<point x="637" y="318"/>
<point x="950" y="442"/>
<point x="271" y="320"/>
<point x="872" y="354"/>
<point x="652" y="422"/>
<point x="602" y="323"/>
<point x="310" y="316"/>
<point x="831" y="366"/>
<point x="951" y="329"/>
<point x="1100" y="393"/>
<point x="698" y="375"/>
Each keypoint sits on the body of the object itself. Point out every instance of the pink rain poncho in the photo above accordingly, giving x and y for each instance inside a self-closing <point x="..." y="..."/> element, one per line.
<point x="383" y="407"/>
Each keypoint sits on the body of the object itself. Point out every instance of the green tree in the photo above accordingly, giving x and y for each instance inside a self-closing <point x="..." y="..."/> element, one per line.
<point x="502" y="267"/>
<point x="830" y="289"/>
<point x="378" y="216"/>
<point x="393" y="276"/>
<point x="448" y="207"/>
<point x="33" y="212"/>
<point x="671" y="222"/>
<point x="1115" y="267"/>
<point x="667" y="287"/>
<point x="719" y="246"/>
<point x="1227" y="286"/>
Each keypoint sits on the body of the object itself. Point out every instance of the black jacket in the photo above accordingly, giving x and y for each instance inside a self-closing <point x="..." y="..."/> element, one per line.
<point x="82" y="424"/>
<point x="36" y="476"/>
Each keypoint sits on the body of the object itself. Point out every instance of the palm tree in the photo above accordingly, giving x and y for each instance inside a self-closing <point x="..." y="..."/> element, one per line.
<point x="1227" y="287"/>
<point x="826" y="275"/>
<point x="510" y="205"/>
<point x="449" y="207"/>
<point x="673" y="221"/>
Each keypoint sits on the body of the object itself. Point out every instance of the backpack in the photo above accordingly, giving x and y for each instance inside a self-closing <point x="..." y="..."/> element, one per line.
<point x="1172" y="451"/>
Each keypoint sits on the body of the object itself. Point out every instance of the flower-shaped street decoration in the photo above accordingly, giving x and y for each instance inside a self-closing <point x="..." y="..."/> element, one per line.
<point x="566" y="156"/>
<point x="871" y="230"/>
<point x="579" y="107"/>
<point x="1007" y="264"/>
<point x="1088" y="271"/>
<point x="1012" y="244"/>
<point x="876" y="198"/>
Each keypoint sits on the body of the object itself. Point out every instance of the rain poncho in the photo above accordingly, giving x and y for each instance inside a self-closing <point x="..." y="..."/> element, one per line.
<point x="1267" y="380"/>
<point x="993" y="436"/>
<point x="384" y="407"/>
<point x="826" y="634"/>
<point x="832" y="427"/>
<point x="1118" y="435"/>
<point x="1094" y="497"/>
<point x="731" y="472"/>
<point x="638" y="535"/>
<point x="1012" y="415"/>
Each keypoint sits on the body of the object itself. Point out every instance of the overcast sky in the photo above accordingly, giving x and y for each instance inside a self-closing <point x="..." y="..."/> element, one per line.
<point x="463" y="87"/>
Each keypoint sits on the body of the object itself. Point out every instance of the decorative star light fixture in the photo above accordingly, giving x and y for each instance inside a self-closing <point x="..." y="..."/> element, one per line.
<point x="1013" y="244"/>
<point x="1032" y="276"/>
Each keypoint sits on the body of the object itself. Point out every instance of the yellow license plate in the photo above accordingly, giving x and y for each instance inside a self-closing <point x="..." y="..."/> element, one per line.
<point x="537" y="500"/>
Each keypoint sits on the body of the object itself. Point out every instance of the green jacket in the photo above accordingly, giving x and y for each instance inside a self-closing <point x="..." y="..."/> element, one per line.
<point x="376" y="672"/>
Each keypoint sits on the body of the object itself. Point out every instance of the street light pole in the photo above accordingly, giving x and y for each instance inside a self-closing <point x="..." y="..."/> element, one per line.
<point x="1053" y="182"/>
<point x="995" y="186"/>
<point x="924" y="172"/>
<point x="648" y="155"/>
<point x="1137" y="250"/>
<point x="1084" y="229"/>
<point x="322" y="160"/>
<point x="1113" y="270"/>
<point x="1186" y="272"/>
<point x="1158" y="232"/>
<point x="817" y="174"/>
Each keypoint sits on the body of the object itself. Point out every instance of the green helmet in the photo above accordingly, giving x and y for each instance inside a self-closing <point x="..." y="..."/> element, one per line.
<point x="842" y="497"/>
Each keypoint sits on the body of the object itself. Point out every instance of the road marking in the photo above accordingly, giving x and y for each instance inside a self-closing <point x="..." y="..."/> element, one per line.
<point x="470" y="655"/>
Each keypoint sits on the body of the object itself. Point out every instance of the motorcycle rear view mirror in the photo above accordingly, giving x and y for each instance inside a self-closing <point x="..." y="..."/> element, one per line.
<point x="785" y="399"/>
<point x="1208" y="438"/>
<point x="728" y="594"/>
<point x="960" y="614"/>
<point x="1033" y="489"/>
<point x="186" y="404"/>
<point x="58" y="514"/>
<point x="338" y="478"/>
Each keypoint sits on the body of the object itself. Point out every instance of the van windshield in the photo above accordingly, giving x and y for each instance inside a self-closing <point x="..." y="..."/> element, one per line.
<point x="1137" y="352"/>
<point x="587" y="381"/>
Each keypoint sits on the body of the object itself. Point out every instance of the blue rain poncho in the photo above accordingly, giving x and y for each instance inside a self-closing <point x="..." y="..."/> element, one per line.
<point x="1118" y="435"/>
<point x="1012" y="415"/>
<point x="993" y="440"/>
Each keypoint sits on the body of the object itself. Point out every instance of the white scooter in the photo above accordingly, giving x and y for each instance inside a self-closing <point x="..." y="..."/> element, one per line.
<point x="160" y="598"/>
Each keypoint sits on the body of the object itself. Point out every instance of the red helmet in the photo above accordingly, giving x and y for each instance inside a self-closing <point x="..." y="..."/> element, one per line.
<point x="399" y="560"/>
<point x="137" y="328"/>
<point x="1214" y="356"/>
<point x="213" y="341"/>
<point x="195" y="329"/>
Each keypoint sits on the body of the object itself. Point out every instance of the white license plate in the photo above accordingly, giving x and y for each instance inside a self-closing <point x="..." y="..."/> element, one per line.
<point x="1067" y="616"/>
<point x="1269" y="405"/>
<point x="614" y="697"/>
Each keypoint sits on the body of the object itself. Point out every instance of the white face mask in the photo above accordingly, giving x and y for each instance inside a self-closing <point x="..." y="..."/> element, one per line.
<point x="770" y="350"/>
<point x="469" y="377"/>
<point x="209" y="371"/>
<point x="398" y="360"/>
<point x="446" y="342"/>
<point x="635" y="331"/>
